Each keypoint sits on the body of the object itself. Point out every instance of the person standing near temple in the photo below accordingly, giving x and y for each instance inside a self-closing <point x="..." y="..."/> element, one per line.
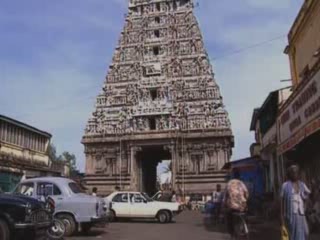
<point x="293" y="195"/>
<point x="94" y="191"/>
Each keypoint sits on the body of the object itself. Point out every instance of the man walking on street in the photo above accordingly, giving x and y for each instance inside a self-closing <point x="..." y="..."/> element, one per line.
<point x="217" y="198"/>
<point x="235" y="200"/>
<point x="293" y="194"/>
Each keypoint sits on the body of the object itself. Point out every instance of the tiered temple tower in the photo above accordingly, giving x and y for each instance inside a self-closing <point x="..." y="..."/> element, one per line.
<point x="160" y="101"/>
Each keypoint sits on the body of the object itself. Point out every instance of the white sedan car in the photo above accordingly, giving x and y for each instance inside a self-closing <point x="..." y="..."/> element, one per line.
<point x="140" y="205"/>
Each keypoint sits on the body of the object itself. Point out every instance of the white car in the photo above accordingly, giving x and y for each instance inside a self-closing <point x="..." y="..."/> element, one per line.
<point x="140" y="205"/>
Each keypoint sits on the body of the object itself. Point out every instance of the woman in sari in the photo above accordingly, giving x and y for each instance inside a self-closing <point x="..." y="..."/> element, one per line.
<point x="293" y="194"/>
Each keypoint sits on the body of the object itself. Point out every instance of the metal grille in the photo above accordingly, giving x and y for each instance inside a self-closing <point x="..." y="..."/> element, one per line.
<point x="40" y="216"/>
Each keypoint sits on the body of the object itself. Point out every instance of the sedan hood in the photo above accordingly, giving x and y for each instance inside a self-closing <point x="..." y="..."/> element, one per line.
<point x="21" y="200"/>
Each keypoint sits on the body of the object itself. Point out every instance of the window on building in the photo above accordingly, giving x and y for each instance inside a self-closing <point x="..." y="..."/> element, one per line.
<point x="174" y="5"/>
<point x="158" y="7"/>
<point x="2" y="126"/>
<point x="14" y="136"/>
<point x="152" y="123"/>
<point x="184" y="2"/>
<point x="157" y="33"/>
<point x="26" y="139"/>
<point x="10" y="139"/>
<point x="153" y="94"/>
<point x="156" y="51"/>
<point x="20" y="136"/>
<point x="36" y="142"/>
<point x="134" y="9"/>
<point x="17" y="139"/>
<point x="42" y="145"/>
<point x="157" y="20"/>
<point x="32" y="141"/>
<point x="3" y="131"/>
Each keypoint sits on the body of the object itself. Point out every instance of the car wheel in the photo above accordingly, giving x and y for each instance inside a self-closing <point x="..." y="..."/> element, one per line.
<point x="57" y="230"/>
<point x="169" y="217"/>
<point x="69" y="224"/>
<point x="4" y="230"/>
<point x="112" y="216"/>
<point x="162" y="217"/>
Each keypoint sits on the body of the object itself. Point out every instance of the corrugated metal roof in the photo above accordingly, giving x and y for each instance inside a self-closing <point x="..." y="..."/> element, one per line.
<point x="25" y="126"/>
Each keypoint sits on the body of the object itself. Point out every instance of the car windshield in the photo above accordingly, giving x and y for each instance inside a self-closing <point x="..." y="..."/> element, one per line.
<point x="75" y="187"/>
<point x="25" y="189"/>
<point x="146" y="196"/>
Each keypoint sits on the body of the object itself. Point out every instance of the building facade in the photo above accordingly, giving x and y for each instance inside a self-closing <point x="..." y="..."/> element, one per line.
<point x="299" y="118"/>
<point x="160" y="102"/>
<point x="23" y="152"/>
<point x="264" y="125"/>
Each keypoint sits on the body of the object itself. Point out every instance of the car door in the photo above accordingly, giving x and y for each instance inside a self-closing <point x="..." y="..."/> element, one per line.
<point x="140" y="207"/>
<point x="120" y="204"/>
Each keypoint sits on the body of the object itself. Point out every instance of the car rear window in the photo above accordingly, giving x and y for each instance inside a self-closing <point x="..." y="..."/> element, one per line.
<point x="75" y="188"/>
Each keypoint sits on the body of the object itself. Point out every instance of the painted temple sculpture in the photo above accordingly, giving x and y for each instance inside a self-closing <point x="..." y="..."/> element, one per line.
<point x="160" y="101"/>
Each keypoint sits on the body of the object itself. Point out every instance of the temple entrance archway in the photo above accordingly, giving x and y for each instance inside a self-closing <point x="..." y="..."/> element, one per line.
<point x="148" y="159"/>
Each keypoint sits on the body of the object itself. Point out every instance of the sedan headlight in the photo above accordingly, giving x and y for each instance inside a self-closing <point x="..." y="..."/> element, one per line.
<point x="28" y="209"/>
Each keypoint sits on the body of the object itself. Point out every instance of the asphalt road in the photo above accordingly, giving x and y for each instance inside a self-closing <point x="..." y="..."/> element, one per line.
<point x="187" y="226"/>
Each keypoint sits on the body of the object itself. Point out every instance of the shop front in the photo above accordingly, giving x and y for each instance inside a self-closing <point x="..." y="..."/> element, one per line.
<point x="9" y="180"/>
<point x="299" y="125"/>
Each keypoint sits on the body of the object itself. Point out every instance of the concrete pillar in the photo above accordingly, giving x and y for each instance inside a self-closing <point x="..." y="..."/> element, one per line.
<point x="88" y="164"/>
<point x="206" y="160"/>
<point x="220" y="158"/>
<point x="136" y="178"/>
<point x="174" y="160"/>
<point x="215" y="158"/>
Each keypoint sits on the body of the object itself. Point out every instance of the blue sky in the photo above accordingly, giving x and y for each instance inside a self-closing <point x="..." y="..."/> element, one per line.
<point x="54" y="56"/>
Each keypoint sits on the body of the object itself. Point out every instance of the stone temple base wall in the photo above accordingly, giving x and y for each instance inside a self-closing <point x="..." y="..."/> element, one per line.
<point x="196" y="163"/>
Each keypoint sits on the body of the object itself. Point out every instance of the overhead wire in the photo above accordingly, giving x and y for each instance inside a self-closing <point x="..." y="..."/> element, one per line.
<point x="256" y="45"/>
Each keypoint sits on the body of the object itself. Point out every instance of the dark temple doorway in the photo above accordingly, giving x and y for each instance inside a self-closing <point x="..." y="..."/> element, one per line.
<point x="149" y="158"/>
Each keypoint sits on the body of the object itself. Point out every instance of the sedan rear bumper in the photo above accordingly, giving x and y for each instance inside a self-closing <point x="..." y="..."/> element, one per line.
<point x="99" y="220"/>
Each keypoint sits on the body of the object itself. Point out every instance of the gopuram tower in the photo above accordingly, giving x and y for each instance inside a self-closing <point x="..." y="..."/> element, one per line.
<point x="160" y="101"/>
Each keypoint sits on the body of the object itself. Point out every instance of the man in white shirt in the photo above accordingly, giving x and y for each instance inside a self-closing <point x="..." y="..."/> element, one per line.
<point x="217" y="198"/>
<point x="217" y="195"/>
<point x="94" y="191"/>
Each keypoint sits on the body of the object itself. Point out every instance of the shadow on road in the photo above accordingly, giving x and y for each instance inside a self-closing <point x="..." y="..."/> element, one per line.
<point x="258" y="229"/>
<point x="209" y="225"/>
<point x="139" y="221"/>
<point x="91" y="233"/>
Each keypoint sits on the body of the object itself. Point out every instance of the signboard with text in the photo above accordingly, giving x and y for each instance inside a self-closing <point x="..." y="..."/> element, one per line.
<point x="301" y="116"/>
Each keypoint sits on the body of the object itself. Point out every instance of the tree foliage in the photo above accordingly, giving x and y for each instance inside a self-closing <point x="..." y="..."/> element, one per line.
<point x="66" y="157"/>
<point x="71" y="159"/>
